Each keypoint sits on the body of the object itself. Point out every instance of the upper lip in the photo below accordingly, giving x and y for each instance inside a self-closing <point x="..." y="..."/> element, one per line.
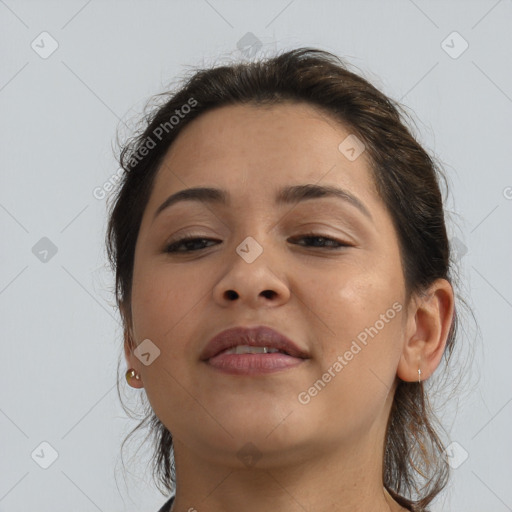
<point x="260" y="336"/>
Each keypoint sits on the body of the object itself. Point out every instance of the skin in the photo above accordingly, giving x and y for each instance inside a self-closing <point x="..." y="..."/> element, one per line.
<point x="324" y="455"/>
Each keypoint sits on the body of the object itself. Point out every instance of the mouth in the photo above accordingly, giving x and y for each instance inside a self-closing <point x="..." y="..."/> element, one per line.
<point x="252" y="364"/>
<point x="243" y="350"/>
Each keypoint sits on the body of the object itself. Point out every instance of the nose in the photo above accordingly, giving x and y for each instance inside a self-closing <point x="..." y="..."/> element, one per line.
<point x="252" y="283"/>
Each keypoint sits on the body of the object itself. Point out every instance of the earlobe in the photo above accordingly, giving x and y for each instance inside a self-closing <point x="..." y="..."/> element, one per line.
<point x="428" y="326"/>
<point x="133" y="376"/>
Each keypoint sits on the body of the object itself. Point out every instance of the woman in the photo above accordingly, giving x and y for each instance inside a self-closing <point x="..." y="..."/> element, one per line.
<point x="283" y="275"/>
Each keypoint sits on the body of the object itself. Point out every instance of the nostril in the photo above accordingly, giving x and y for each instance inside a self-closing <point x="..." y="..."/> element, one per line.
<point x="231" y="294"/>
<point x="269" y="293"/>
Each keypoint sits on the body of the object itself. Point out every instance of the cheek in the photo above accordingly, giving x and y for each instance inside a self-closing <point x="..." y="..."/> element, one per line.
<point x="161" y="296"/>
<point x="358" y="359"/>
<point x="163" y="303"/>
<point x="361" y="318"/>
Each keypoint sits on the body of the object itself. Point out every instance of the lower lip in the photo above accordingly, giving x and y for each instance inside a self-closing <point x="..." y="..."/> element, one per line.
<point x="253" y="364"/>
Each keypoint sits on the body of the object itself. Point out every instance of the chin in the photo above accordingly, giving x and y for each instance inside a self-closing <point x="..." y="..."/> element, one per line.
<point x="256" y="452"/>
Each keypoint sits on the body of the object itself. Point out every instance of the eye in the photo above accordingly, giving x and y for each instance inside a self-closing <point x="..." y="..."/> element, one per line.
<point x="190" y="243"/>
<point x="320" y="241"/>
<point x="194" y="244"/>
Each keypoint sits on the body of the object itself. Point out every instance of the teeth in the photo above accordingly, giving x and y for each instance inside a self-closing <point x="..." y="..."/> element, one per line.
<point x="246" y="349"/>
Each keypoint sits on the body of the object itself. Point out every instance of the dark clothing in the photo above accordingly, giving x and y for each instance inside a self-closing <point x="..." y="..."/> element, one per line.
<point x="167" y="505"/>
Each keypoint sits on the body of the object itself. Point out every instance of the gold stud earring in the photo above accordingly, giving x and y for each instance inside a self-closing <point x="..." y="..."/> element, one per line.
<point x="130" y="374"/>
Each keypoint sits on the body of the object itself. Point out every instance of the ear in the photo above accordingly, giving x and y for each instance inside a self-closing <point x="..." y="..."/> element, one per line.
<point x="430" y="317"/>
<point x="129" y="345"/>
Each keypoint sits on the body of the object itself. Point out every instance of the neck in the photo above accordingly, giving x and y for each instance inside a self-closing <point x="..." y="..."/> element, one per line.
<point x="349" y="482"/>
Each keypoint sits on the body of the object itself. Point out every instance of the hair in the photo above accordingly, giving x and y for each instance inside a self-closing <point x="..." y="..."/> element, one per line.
<point x="405" y="176"/>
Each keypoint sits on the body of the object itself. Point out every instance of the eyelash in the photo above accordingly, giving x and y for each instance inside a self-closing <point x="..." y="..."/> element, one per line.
<point x="171" y="247"/>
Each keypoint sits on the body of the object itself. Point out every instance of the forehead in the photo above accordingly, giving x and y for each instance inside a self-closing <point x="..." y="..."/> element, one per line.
<point x="265" y="146"/>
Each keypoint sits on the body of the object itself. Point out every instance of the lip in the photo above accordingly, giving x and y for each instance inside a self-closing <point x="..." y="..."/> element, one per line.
<point x="253" y="364"/>
<point x="259" y="336"/>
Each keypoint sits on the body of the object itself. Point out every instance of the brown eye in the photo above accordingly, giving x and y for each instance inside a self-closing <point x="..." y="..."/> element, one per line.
<point x="320" y="241"/>
<point x="191" y="244"/>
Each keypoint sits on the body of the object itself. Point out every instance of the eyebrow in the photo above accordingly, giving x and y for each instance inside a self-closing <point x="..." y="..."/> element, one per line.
<point x="287" y="195"/>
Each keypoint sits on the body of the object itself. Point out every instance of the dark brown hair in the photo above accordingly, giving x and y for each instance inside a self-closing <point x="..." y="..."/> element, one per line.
<point x="406" y="177"/>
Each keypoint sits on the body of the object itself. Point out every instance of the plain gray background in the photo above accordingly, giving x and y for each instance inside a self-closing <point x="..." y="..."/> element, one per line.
<point x="60" y="335"/>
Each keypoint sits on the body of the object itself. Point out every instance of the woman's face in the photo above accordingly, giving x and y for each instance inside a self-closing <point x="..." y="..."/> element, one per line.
<point x="343" y="304"/>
